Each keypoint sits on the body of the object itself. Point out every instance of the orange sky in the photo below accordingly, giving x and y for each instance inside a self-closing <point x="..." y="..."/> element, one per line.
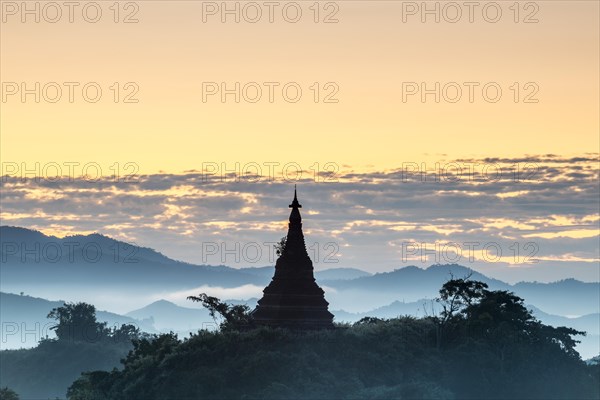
<point x="368" y="54"/>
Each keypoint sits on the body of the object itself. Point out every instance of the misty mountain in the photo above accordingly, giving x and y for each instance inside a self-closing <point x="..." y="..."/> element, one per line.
<point x="30" y="258"/>
<point x="341" y="274"/>
<point x="263" y="272"/>
<point x="589" y="346"/>
<point x="96" y="268"/>
<point x="166" y="316"/>
<point x="324" y="275"/>
<point x="589" y="323"/>
<point x="567" y="297"/>
<point x="414" y="280"/>
<point x="24" y="323"/>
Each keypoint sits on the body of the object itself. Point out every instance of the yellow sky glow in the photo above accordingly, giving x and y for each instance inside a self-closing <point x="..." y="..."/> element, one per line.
<point x="369" y="54"/>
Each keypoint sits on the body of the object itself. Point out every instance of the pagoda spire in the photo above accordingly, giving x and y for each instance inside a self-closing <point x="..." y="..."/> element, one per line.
<point x="295" y="203"/>
<point x="295" y="245"/>
<point x="293" y="299"/>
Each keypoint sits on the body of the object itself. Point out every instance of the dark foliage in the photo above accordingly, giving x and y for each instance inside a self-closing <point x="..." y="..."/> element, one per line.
<point x="76" y="322"/>
<point x="233" y="317"/>
<point x="280" y="246"/>
<point x="83" y="344"/>
<point x="8" y="394"/>
<point x="491" y="348"/>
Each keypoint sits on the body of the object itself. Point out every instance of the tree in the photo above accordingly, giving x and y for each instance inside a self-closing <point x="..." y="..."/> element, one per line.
<point x="8" y="394"/>
<point x="368" y="321"/>
<point x="154" y="346"/>
<point x="89" y="386"/>
<point x="280" y="246"/>
<point x="126" y="333"/>
<point x="234" y="317"/>
<point x="497" y="308"/>
<point x="77" y="322"/>
<point x="455" y="296"/>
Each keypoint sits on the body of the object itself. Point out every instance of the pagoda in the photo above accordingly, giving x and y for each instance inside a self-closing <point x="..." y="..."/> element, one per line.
<point x="293" y="299"/>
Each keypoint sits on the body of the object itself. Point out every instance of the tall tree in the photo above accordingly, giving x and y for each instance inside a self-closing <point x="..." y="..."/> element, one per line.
<point x="234" y="317"/>
<point x="77" y="322"/>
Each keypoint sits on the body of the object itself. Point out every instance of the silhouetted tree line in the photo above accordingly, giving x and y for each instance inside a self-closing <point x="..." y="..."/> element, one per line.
<point x="484" y="345"/>
<point x="82" y="344"/>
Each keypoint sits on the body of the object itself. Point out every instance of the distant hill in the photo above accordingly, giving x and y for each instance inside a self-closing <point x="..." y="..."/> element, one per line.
<point x="589" y="323"/>
<point x="567" y="297"/>
<point x="323" y="275"/>
<point x="263" y="272"/>
<point x="414" y="280"/>
<point x="31" y="258"/>
<point x="97" y="266"/>
<point x="24" y="323"/>
<point x="167" y="316"/>
<point x="341" y="274"/>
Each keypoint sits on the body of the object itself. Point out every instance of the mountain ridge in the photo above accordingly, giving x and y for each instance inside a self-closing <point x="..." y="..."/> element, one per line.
<point x="112" y="276"/>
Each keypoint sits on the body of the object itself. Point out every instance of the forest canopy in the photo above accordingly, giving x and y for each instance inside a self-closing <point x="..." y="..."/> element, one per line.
<point x="483" y="345"/>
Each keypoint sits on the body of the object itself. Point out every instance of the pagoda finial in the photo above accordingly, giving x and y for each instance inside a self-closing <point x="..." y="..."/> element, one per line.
<point x="295" y="203"/>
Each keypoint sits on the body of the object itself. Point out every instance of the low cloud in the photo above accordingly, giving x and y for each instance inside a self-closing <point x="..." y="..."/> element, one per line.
<point x="243" y="292"/>
<point x="549" y="200"/>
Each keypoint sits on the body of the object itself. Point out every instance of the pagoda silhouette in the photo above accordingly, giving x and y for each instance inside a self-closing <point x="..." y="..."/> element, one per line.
<point x="293" y="299"/>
